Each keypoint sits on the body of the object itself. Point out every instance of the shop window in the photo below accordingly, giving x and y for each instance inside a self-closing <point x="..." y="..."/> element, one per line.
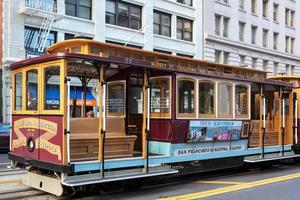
<point x="241" y="101"/>
<point x="225" y="100"/>
<point x="18" y="91"/>
<point x="116" y="99"/>
<point x="186" y="96"/>
<point x="160" y="97"/>
<point x="206" y="99"/>
<point x="32" y="90"/>
<point x="52" y="88"/>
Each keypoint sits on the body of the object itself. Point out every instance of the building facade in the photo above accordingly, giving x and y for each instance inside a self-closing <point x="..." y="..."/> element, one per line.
<point x="262" y="34"/>
<point x="170" y="26"/>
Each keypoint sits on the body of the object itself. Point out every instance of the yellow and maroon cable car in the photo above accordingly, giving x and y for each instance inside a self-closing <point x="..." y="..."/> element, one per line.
<point x="90" y="112"/>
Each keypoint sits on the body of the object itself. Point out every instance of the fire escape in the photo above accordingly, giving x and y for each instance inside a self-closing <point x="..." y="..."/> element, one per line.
<point x="47" y="11"/>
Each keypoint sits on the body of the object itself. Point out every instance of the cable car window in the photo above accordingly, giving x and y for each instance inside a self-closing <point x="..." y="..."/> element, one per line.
<point x="32" y="89"/>
<point x="52" y="88"/>
<point x="186" y="96"/>
<point x="241" y="101"/>
<point x="18" y="91"/>
<point x="160" y="95"/>
<point x="116" y="99"/>
<point x="206" y="98"/>
<point x="225" y="100"/>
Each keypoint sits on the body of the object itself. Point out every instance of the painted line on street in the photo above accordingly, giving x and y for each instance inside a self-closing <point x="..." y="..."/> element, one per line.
<point x="223" y="190"/>
<point x="10" y="181"/>
<point x="221" y="182"/>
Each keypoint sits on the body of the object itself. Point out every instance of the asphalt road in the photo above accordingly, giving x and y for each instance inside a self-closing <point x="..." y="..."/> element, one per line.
<point x="275" y="183"/>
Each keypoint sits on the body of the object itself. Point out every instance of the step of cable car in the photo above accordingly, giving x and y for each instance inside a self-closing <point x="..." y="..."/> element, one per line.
<point x="270" y="157"/>
<point x="119" y="175"/>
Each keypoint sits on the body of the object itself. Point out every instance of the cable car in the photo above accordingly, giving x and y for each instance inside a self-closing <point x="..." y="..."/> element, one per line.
<point x="90" y="112"/>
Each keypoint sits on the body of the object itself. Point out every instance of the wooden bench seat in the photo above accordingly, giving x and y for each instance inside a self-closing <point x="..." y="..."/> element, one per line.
<point x="84" y="142"/>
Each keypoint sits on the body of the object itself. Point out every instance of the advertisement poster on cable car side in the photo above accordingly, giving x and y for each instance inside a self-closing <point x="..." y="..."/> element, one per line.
<point x="204" y="131"/>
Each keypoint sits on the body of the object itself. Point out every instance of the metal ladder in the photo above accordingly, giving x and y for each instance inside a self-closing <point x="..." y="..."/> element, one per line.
<point x="48" y="20"/>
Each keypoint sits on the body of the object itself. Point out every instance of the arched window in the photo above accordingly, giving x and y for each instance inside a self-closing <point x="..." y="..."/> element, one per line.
<point x="241" y="101"/>
<point x="160" y="97"/>
<point x="225" y="100"/>
<point x="186" y="97"/>
<point x="32" y="90"/>
<point x="206" y="99"/>
<point x="18" y="91"/>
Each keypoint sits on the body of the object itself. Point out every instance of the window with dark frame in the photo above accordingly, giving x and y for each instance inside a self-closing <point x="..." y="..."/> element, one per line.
<point x="162" y="24"/>
<point x="69" y="36"/>
<point x="123" y="14"/>
<point x="184" y="29"/>
<point x="79" y="8"/>
<point x="186" y="2"/>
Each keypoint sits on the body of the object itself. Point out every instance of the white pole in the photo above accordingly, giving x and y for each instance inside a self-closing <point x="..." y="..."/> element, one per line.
<point x="148" y="109"/>
<point x="68" y="121"/>
<point x="10" y="123"/>
<point x="264" y="112"/>
<point x="296" y="119"/>
<point x="283" y="113"/>
<point x="104" y="107"/>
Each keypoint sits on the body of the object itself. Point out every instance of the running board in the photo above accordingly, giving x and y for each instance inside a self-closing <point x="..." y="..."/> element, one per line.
<point x="119" y="175"/>
<point x="270" y="157"/>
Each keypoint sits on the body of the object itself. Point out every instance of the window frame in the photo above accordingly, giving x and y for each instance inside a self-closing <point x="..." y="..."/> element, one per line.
<point x="186" y="115"/>
<point x="77" y="5"/>
<point x="191" y="4"/>
<point x="116" y="114"/>
<point x="207" y="116"/>
<point x="14" y="111"/>
<point x="243" y="116"/>
<point x="160" y="23"/>
<point x="224" y="116"/>
<point x="162" y="115"/>
<point x="182" y="21"/>
<point x="61" y="64"/>
<point x="130" y="17"/>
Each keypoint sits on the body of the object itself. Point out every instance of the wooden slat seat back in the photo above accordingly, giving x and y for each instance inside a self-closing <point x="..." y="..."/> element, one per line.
<point x="85" y="143"/>
<point x="271" y="137"/>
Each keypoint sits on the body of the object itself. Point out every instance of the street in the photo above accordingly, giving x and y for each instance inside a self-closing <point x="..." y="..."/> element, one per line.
<point x="276" y="182"/>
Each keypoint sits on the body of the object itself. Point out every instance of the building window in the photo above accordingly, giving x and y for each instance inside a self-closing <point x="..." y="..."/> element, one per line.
<point x="253" y="34"/>
<point x="265" y="37"/>
<point x="218" y="19"/>
<point x="31" y="36"/>
<point x="218" y="56"/>
<point x="275" y="71"/>
<point x="224" y="100"/>
<point x="123" y="14"/>
<point x="265" y="8"/>
<point x="224" y="1"/>
<point x="287" y="17"/>
<point x="254" y="6"/>
<point x="186" y="2"/>
<point x="160" y="97"/>
<point x="288" y="70"/>
<point x="51" y="81"/>
<point x="275" y="12"/>
<point x="79" y="8"/>
<point x="69" y="36"/>
<point x="18" y="91"/>
<point x="32" y="90"/>
<point x="254" y="63"/>
<point x="265" y="65"/>
<point x="241" y="31"/>
<point x="184" y="29"/>
<point x="275" y="41"/>
<point x="242" y="60"/>
<point x="225" y="26"/>
<point x="162" y="24"/>
<point x="292" y="23"/>
<point x="241" y="101"/>
<point x="242" y="4"/>
<point x="287" y="44"/>
<point x="186" y="97"/>
<point x="184" y="55"/>
<point x="206" y="99"/>
<point x="292" y="45"/>
<point x="226" y="57"/>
